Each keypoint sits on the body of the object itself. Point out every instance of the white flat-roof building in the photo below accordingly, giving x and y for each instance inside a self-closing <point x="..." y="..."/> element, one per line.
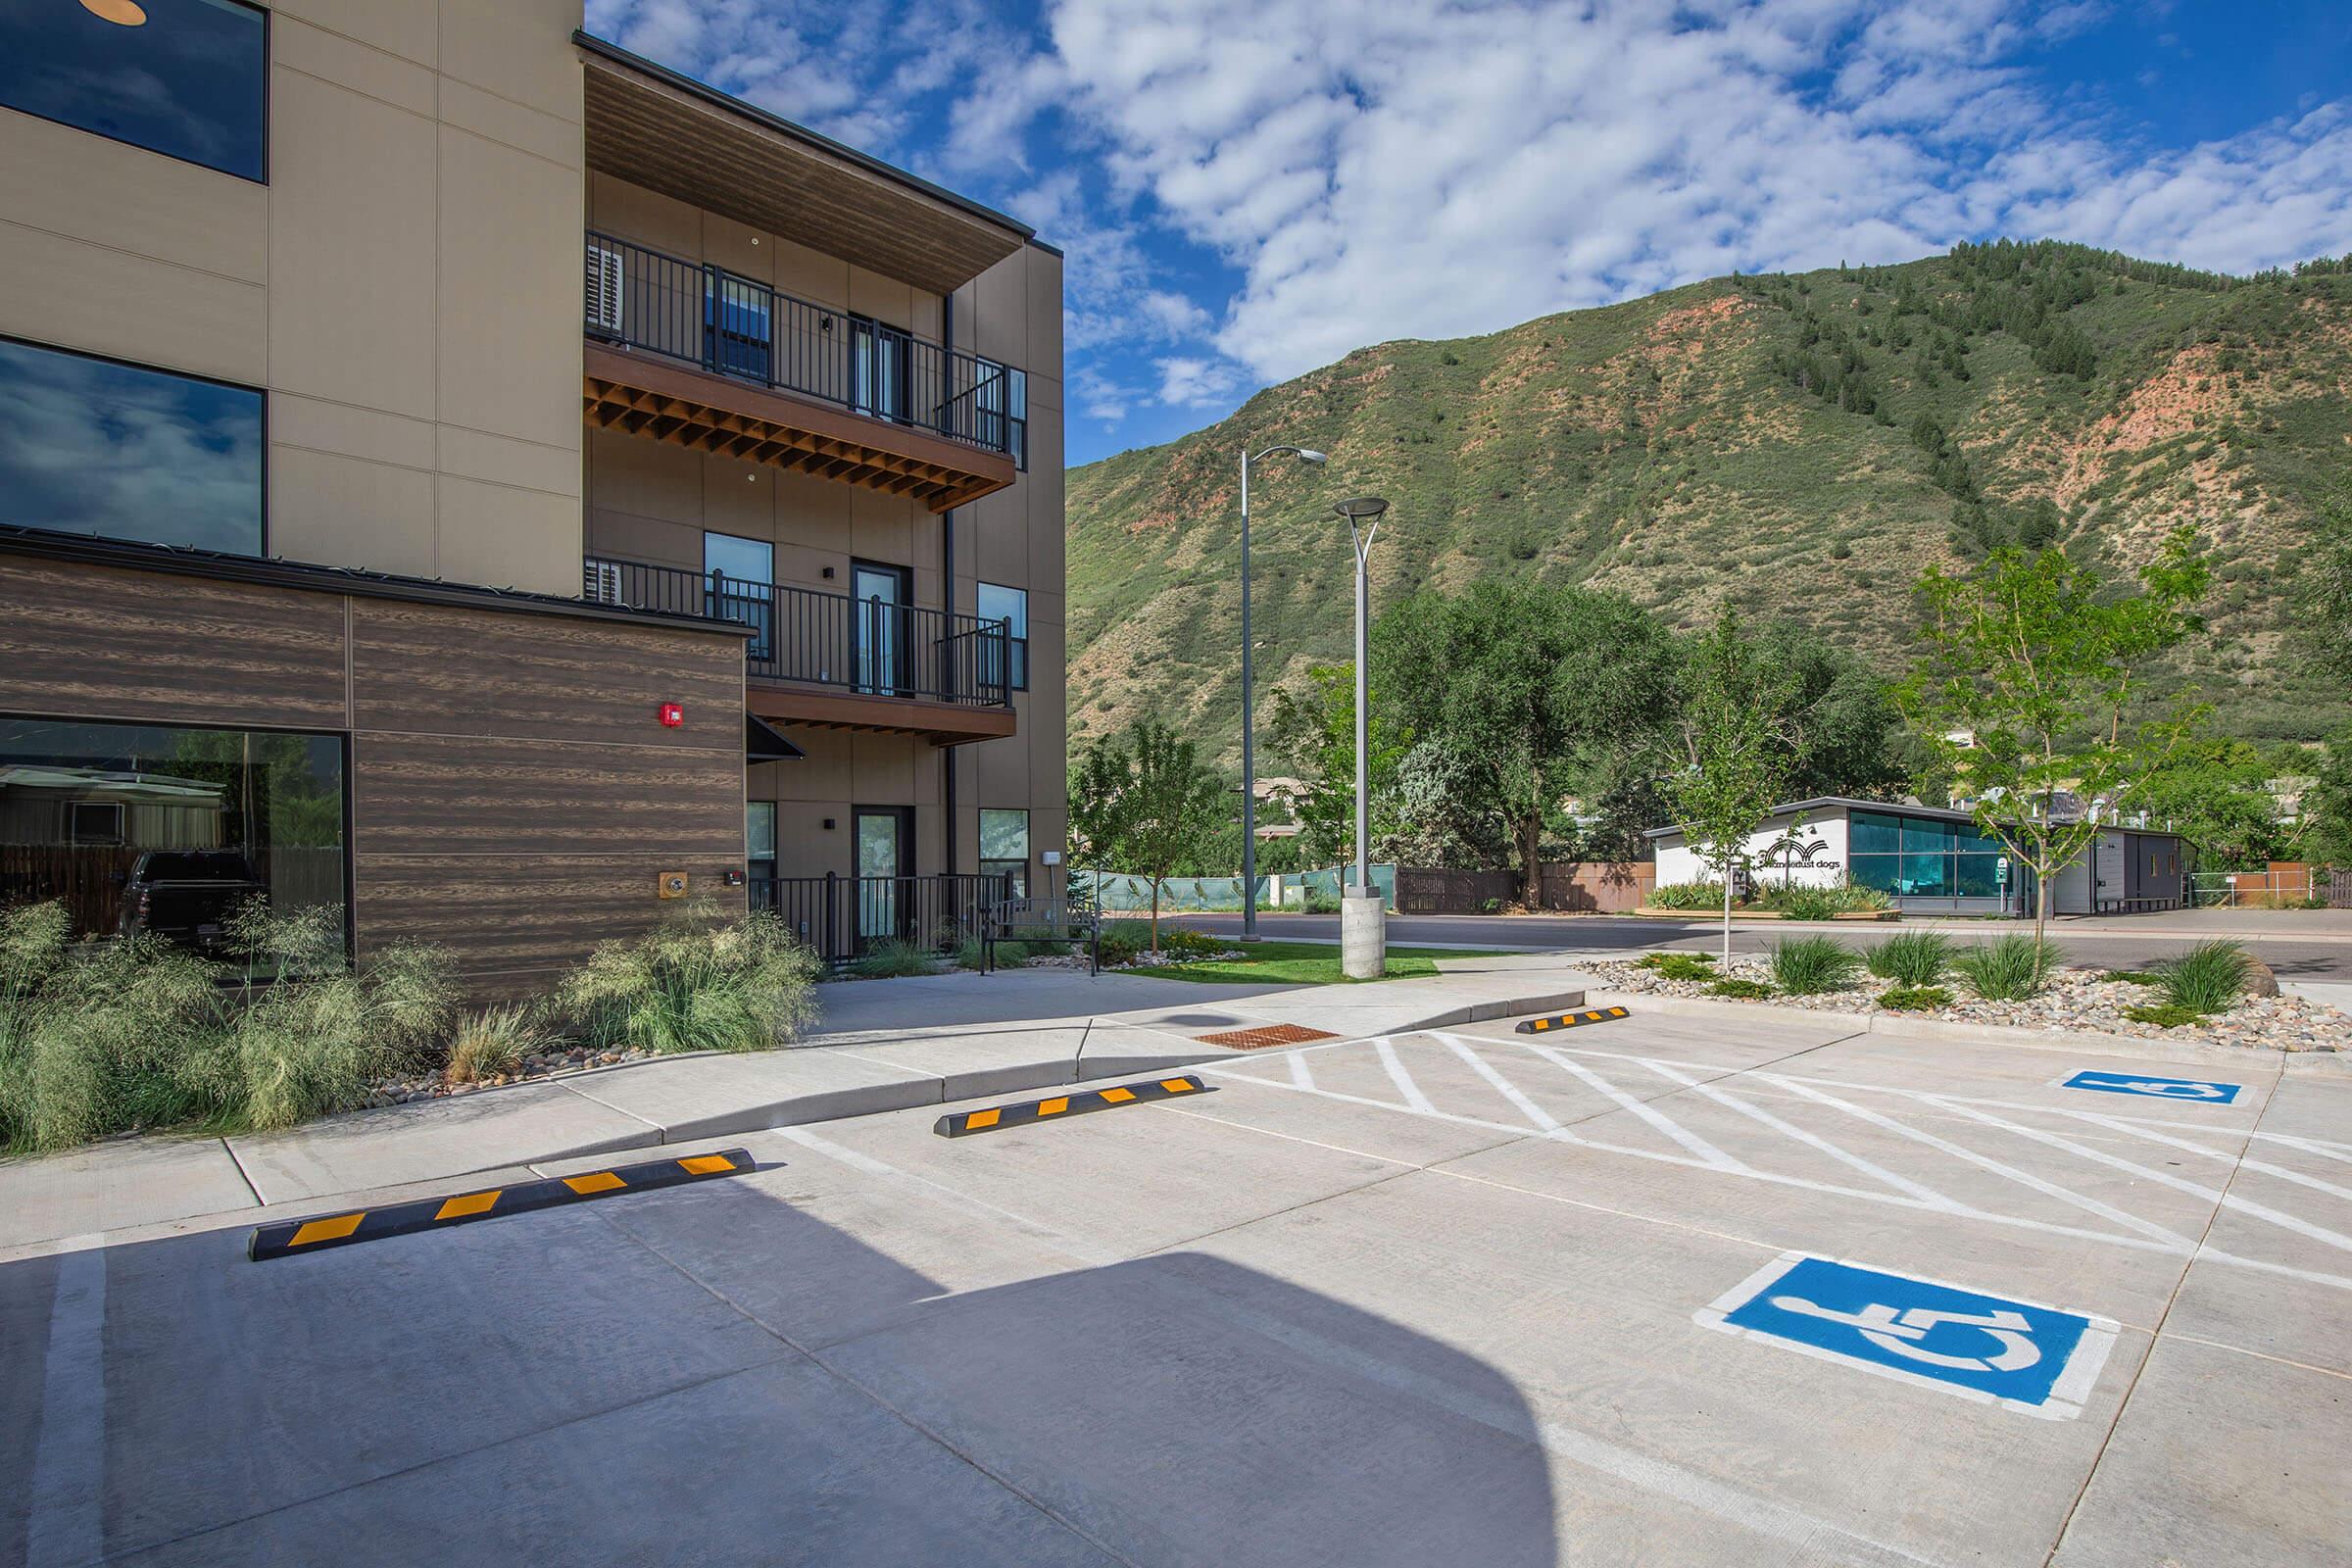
<point x="1932" y="860"/>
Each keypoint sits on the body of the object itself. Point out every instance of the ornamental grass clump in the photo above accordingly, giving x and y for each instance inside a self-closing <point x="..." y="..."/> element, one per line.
<point x="2208" y="978"/>
<point x="1807" y="966"/>
<point x="103" y="1039"/>
<point x="695" y="982"/>
<point x="2009" y="968"/>
<point x="315" y="1040"/>
<point x="492" y="1044"/>
<point x="893" y="959"/>
<point x="1686" y="896"/>
<point x="1913" y="959"/>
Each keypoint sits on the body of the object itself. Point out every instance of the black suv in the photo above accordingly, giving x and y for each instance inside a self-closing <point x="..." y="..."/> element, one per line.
<point x="186" y="896"/>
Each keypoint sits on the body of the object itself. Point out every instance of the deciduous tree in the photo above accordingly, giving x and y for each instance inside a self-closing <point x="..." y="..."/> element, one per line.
<point x="1735" y="752"/>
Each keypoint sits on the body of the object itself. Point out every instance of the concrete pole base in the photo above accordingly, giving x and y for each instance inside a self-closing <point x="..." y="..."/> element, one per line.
<point x="1364" y="936"/>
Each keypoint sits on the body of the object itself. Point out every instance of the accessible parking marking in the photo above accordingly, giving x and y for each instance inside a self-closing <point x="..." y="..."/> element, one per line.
<point x="2037" y="1360"/>
<point x="2199" y="1090"/>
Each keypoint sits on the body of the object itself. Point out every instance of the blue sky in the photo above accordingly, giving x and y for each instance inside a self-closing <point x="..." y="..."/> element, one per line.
<point x="1250" y="188"/>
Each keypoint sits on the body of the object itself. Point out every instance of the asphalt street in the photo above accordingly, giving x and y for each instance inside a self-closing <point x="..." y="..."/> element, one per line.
<point x="2107" y="947"/>
<point x="1658" y="1290"/>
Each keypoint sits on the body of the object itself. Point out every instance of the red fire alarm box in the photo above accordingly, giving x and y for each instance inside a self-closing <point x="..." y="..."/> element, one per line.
<point x="673" y="714"/>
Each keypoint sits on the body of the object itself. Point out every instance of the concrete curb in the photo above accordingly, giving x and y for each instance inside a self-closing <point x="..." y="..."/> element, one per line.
<point x="2071" y="1042"/>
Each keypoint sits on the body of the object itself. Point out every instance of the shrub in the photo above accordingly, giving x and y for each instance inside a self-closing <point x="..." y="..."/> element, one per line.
<point x="1741" y="990"/>
<point x="1914" y="959"/>
<point x="1119" y="947"/>
<point x="1317" y="902"/>
<point x="1184" y="944"/>
<point x="893" y="959"/>
<point x="492" y="1043"/>
<point x="1802" y="902"/>
<point x="1915" y="999"/>
<point x="694" y="984"/>
<point x="2132" y="977"/>
<point x="1805" y="966"/>
<point x="2165" y="1015"/>
<point x="2006" y="969"/>
<point x="1687" y="896"/>
<point x="1682" y="966"/>
<point x="1653" y="960"/>
<point x="2209" y="977"/>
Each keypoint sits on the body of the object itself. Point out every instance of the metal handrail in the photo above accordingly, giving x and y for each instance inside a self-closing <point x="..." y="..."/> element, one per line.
<point x="840" y="916"/>
<point x="732" y="326"/>
<point x="809" y="636"/>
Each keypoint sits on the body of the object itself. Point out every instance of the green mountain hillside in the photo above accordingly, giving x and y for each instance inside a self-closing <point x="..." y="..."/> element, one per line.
<point x="1799" y="445"/>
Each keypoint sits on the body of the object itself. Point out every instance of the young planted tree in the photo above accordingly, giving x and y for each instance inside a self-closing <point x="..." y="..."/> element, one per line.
<point x="1734" y="753"/>
<point x="1147" y="805"/>
<point x="2024" y="689"/>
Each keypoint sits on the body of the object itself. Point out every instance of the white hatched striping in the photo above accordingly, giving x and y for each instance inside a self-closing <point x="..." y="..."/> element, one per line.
<point x="1414" y="1099"/>
<point x="2173" y="1240"/>
<point x="2118" y="1124"/>
<point x="1664" y="1123"/>
<point x="1298" y="1073"/>
<point x="1502" y="1086"/>
<point x="2262" y="1212"/>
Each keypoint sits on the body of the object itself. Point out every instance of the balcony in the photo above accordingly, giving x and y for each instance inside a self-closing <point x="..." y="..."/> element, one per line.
<point x="698" y="356"/>
<point x="833" y="662"/>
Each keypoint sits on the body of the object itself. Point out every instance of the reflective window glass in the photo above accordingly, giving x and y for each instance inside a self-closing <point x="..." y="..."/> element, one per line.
<point x="187" y="78"/>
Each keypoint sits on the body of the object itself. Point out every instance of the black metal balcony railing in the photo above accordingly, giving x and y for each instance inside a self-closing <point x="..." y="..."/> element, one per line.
<point x="866" y="646"/>
<point x="712" y="317"/>
<point x="840" y="916"/>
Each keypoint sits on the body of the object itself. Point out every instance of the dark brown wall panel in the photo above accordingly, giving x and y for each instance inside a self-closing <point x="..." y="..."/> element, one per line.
<point x="444" y="671"/>
<point x="525" y="917"/>
<point x="475" y="794"/>
<point x="103" y="643"/>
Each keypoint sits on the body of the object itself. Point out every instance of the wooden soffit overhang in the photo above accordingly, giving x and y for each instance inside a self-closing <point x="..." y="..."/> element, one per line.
<point x="941" y="723"/>
<point x="654" y="127"/>
<point x="642" y="395"/>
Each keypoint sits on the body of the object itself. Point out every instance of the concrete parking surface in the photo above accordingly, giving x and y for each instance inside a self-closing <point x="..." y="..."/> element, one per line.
<point x="1662" y="1291"/>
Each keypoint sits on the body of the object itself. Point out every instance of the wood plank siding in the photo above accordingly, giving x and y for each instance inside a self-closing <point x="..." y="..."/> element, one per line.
<point x="513" y="793"/>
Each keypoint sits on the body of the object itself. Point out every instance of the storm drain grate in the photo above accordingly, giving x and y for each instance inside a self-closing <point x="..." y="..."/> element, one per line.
<point x="1275" y="1033"/>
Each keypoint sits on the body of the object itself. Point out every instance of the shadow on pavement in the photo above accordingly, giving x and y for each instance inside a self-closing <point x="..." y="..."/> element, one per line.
<point x="714" y="1375"/>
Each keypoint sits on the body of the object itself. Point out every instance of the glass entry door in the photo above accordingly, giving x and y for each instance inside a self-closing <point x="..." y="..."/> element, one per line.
<point x="881" y="613"/>
<point x="882" y="857"/>
<point x="739" y="584"/>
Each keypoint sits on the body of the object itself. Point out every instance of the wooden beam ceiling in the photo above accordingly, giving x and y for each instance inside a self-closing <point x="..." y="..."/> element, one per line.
<point x="726" y="417"/>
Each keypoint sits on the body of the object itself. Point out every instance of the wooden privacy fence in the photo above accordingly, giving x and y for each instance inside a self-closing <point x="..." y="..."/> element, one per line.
<point x="1598" y="887"/>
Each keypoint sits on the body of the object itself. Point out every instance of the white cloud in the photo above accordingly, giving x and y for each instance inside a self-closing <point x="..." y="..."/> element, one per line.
<point x="1367" y="169"/>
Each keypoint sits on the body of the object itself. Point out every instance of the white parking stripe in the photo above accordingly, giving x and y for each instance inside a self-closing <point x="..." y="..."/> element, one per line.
<point x="1502" y="1086"/>
<point x="2173" y="1240"/>
<point x="2261" y="1211"/>
<point x="67" y="1520"/>
<point x="1649" y="1113"/>
<point x="1926" y="1194"/>
<point x="1298" y="1073"/>
<point x="1414" y="1099"/>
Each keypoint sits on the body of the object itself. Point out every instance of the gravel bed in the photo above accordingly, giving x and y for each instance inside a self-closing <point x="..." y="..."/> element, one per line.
<point x="2076" y="999"/>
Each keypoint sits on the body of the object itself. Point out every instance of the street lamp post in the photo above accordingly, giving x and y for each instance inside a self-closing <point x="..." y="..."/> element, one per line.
<point x="1249" y="705"/>
<point x="1363" y="923"/>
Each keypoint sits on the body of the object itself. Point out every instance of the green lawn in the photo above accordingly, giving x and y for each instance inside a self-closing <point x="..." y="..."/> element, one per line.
<point x="1307" y="964"/>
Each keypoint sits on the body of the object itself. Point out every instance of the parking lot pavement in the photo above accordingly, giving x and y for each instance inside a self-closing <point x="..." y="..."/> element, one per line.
<point x="1663" y="1290"/>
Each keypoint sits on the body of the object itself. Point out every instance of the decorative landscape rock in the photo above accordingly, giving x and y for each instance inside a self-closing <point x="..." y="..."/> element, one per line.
<point x="2261" y="979"/>
<point x="2075" y="998"/>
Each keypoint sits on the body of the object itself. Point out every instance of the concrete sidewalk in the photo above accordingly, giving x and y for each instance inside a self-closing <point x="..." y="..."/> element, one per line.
<point x="890" y="1044"/>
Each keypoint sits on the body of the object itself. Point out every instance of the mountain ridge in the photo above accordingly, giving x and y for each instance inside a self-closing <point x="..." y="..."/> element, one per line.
<point x="1798" y="444"/>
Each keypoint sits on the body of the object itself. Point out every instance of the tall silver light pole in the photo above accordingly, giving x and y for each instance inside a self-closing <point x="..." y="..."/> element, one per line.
<point x="1364" y="924"/>
<point x="1249" y="704"/>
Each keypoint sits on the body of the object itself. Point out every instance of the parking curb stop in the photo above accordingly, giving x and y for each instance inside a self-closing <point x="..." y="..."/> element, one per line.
<point x="1568" y="1021"/>
<point x="1053" y="1108"/>
<point x="285" y="1237"/>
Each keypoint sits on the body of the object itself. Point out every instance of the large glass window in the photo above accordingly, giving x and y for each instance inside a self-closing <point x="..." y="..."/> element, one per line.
<point x="1922" y="856"/>
<point x="91" y="446"/>
<point x="1010" y="606"/>
<point x="759" y="838"/>
<point x="169" y="830"/>
<point x="1005" y="846"/>
<point x="188" y="79"/>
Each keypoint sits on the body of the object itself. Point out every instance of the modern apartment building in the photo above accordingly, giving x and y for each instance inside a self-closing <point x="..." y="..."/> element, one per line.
<point x="457" y="471"/>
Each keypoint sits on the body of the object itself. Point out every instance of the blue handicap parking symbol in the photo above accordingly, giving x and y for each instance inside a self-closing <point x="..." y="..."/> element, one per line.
<point x="2026" y="1358"/>
<point x="2139" y="1083"/>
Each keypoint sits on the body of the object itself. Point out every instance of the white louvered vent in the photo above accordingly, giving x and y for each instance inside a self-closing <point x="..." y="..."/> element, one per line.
<point x="603" y="582"/>
<point x="604" y="289"/>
